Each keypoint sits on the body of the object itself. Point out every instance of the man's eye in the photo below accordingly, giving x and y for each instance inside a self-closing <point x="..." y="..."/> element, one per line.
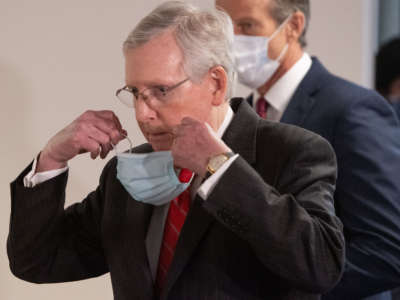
<point x="245" y="26"/>
<point x="133" y="90"/>
<point x="161" y="90"/>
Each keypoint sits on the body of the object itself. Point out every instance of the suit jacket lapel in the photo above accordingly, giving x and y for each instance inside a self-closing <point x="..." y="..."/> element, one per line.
<point x="126" y="238"/>
<point x="240" y="136"/>
<point x="138" y="216"/>
<point x="298" y="108"/>
<point x="154" y="237"/>
<point x="303" y="99"/>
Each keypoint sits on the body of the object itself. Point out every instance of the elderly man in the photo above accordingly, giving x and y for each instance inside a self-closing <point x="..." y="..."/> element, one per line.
<point x="257" y="222"/>
<point x="292" y="88"/>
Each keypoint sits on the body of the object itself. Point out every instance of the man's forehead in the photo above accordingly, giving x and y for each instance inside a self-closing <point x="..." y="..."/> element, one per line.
<point x="243" y="4"/>
<point x="159" y="58"/>
<point x="239" y="9"/>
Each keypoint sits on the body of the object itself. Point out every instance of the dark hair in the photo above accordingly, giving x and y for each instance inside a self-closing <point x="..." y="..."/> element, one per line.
<point x="281" y="9"/>
<point x="387" y="65"/>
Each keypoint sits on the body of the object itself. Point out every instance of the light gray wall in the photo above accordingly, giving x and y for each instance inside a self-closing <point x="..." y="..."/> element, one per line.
<point x="343" y="34"/>
<point x="389" y="24"/>
<point x="60" y="58"/>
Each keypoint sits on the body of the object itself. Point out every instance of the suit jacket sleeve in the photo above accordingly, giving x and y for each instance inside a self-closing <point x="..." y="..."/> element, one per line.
<point x="368" y="198"/>
<point x="47" y="243"/>
<point x="291" y="226"/>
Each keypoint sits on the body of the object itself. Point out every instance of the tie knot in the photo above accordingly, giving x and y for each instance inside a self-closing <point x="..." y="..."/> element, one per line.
<point x="261" y="107"/>
<point x="185" y="175"/>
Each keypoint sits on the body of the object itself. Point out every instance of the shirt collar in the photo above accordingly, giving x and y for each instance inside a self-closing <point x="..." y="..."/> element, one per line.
<point x="227" y="120"/>
<point x="279" y="95"/>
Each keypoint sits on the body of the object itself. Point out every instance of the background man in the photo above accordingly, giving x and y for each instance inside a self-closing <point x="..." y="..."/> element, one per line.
<point x="387" y="82"/>
<point x="258" y="227"/>
<point x="292" y="88"/>
<point x="387" y="74"/>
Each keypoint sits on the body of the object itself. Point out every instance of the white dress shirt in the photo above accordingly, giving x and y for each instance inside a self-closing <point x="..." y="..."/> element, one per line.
<point x="279" y="95"/>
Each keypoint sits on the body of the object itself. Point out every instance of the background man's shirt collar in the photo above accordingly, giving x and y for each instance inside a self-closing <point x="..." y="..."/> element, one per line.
<point x="281" y="92"/>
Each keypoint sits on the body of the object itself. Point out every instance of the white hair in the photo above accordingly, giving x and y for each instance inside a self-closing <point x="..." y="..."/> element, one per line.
<point x="205" y="37"/>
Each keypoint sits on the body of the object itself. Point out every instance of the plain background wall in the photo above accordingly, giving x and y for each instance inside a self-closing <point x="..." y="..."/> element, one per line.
<point x="60" y="58"/>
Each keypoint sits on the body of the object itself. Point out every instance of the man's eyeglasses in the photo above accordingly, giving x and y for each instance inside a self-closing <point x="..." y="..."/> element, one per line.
<point x="130" y="95"/>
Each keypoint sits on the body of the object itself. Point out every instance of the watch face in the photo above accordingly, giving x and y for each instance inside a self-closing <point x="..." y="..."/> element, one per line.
<point x="216" y="162"/>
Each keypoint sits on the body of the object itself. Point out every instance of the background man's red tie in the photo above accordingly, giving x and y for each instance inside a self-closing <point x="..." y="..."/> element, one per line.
<point x="261" y="107"/>
<point x="178" y="210"/>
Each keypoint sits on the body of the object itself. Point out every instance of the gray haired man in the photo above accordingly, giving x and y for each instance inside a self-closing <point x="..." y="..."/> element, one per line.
<point x="250" y="217"/>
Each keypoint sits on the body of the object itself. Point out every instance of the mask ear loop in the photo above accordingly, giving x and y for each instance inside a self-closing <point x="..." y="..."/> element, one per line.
<point x="280" y="27"/>
<point x="130" y="145"/>
<point x="283" y="52"/>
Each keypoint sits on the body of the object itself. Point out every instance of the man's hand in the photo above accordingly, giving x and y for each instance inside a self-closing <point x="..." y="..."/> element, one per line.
<point x="93" y="132"/>
<point x="194" y="144"/>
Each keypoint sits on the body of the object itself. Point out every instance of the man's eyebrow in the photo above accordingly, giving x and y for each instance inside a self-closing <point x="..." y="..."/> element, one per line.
<point x="247" y="19"/>
<point x="151" y="84"/>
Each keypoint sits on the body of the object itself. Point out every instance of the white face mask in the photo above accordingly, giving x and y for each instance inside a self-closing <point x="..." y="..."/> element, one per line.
<point x="253" y="65"/>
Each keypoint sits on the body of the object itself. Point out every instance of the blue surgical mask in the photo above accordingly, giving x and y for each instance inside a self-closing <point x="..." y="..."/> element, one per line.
<point x="150" y="178"/>
<point x="253" y="65"/>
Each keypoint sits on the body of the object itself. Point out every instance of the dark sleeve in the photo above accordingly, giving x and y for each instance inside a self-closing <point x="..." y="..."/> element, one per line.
<point x="368" y="198"/>
<point x="294" y="232"/>
<point x="47" y="243"/>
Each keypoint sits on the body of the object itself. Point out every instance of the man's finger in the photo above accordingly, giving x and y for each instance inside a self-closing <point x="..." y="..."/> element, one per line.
<point x="106" y="114"/>
<point x="118" y="123"/>
<point x="98" y="135"/>
<point x="92" y="146"/>
<point x="109" y="116"/>
<point x="109" y="128"/>
<point x="105" y="149"/>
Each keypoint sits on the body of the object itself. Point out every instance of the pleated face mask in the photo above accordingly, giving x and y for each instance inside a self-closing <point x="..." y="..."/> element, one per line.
<point x="253" y="65"/>
<point x="150" y="177"/>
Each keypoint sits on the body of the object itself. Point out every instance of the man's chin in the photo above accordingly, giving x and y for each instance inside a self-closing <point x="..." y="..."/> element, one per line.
<point x="161" y="146"/>
<point x="160" y="141"/>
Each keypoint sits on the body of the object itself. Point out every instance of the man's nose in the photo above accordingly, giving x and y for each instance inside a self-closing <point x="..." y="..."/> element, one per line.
<point x="144" y="112"/>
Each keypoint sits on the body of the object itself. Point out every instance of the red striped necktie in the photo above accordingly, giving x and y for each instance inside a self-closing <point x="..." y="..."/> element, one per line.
<point x="177" y="212"/>
<point x="262" y="107"/>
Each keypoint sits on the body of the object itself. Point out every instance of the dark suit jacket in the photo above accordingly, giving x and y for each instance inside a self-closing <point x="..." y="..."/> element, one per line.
<point x="396" y="107"/>
<point x="366" y="138"/>
<point x="267" y="230"/>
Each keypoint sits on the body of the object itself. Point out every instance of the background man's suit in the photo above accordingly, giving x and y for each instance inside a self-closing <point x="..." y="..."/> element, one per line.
<point x="248" y="240"/>
<point x="360" y="126"/>
<point x="396" y="107"/>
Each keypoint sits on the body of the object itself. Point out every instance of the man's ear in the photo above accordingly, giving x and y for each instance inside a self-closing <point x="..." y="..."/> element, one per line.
<point x="395" y="87"/>
<point x="219" y="85"/>
<point x="296" y="26"/>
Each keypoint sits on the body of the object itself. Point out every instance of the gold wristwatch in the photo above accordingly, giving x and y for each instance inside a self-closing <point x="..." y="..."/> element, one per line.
<point x="217" y="161"/>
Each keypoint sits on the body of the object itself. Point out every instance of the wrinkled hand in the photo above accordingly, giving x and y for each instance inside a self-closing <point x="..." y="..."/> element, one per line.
<point x="93" y="132"/>
<point x="194" y="144"/>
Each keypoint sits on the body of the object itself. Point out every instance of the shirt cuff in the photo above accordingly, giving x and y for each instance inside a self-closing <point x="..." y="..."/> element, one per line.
<point x="31" y="179"/>
<point x="207" y="187"/>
